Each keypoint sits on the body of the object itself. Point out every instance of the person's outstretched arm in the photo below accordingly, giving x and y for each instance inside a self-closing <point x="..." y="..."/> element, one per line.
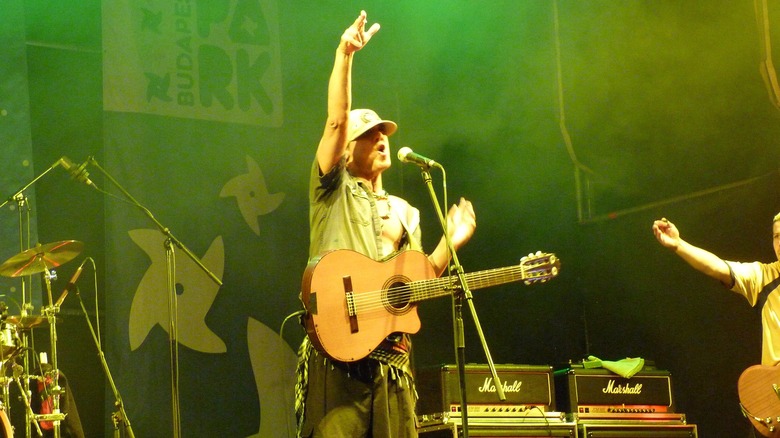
<point x="702" y="260"/>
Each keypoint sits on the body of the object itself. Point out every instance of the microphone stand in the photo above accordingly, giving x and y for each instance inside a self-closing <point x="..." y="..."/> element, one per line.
<point x="458" y="297"/>
<point x="120" y="415"/>
<point x="173" y="337"/>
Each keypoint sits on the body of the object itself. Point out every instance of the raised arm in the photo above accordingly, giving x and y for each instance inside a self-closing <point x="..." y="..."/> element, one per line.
<point x="702" y="260"/>
<point x="334" y="139"/>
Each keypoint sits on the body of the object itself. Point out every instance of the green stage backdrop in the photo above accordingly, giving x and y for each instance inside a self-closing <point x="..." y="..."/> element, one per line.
<point x="571" y="125"/>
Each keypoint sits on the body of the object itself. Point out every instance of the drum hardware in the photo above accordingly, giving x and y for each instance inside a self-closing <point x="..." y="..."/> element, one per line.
<point x="6" y="398"/>
<point x="51" y="390"/>
<point x="50" y="312"/>
<point x="10" y="344"/>
<point x="10" y="348"/>
<point x="50" y="417"/>
<point x="18" y="370"/>
<point x="5" y="422"/>
<point x="39" y="259"/>
<point x="27" y="322"/>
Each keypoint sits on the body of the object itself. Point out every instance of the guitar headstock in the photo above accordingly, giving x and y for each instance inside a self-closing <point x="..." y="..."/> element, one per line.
<point x="539" y="267"/>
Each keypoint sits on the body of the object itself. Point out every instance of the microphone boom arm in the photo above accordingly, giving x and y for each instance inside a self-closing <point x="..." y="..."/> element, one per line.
<point x="27" y="186"/>
<point x="165" y="230"/>
<point x="172" y="299"/>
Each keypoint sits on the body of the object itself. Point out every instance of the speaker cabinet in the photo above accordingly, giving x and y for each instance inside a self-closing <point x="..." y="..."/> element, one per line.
<point x="638" y="431"/>
<point x="568" y="430"/>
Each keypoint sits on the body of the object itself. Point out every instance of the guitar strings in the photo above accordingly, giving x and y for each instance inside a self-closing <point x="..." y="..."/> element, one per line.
<point x="431" y="288"/>
<point x="419" y="290"/>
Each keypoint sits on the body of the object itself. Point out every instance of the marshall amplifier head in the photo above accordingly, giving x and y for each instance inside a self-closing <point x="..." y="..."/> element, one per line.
<point x="525" y="387"/>
<point x="599" y="392"/>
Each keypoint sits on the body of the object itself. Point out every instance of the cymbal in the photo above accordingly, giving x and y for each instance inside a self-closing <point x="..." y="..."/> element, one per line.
<point x="27" y="322"/>
<point x="41" y="257"/>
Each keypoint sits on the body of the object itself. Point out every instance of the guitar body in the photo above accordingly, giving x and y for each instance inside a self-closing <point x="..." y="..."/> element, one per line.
<point x="758" y="388"/>
<point x="354" y="302"/>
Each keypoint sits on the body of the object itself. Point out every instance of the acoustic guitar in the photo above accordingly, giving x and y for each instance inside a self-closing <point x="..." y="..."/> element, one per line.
<point x="353" y="302"/>
<point x="759" y="398"/>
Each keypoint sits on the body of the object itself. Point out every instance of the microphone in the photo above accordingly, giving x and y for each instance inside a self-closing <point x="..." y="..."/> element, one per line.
<point x="406" y="155"/>
<point x="71" y="284"/>
<point x="79" y="173"/>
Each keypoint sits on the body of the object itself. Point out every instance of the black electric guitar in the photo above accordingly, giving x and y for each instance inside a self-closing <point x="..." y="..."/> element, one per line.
<point x="354" y="302"/>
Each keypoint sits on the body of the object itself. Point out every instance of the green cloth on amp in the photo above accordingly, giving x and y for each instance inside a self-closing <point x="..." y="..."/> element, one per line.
<point x="624" y="367"/>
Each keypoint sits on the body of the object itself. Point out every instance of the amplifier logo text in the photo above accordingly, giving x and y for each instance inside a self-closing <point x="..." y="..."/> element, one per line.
<point x="611" y="388"/>
<point x="488" y="386"/>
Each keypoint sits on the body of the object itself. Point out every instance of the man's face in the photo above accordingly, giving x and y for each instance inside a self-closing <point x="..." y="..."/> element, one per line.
<point x="370" y="153"/>
<point x="776" y="238"/>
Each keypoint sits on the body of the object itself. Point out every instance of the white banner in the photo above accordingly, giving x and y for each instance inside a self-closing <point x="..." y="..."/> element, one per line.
<point x="214" y="61"/>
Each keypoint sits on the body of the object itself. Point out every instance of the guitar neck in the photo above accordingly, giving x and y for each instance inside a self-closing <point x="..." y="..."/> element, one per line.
<point x="443" y="286"/>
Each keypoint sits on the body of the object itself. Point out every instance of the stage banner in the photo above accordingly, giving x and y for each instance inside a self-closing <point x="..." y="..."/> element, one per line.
<point x="214" y="61"/>
<point x="193" y="101"/>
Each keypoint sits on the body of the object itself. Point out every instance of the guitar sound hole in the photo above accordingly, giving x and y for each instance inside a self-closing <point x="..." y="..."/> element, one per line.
<point x="396" y="296"/>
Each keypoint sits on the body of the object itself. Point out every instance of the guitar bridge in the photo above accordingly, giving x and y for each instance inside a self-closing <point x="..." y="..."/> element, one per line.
<point x="351" y="304"/>
<point x="351" y="310"/>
